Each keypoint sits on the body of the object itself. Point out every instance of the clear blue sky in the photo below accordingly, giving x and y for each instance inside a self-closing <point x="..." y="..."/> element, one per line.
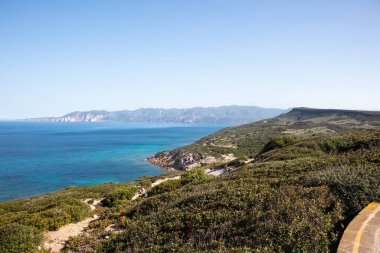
<point x="61" y="56"/>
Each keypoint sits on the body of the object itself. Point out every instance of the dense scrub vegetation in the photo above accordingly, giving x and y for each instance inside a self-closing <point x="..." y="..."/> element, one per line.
<point x="187" y="177"/>
<point x="51" y="211"/>
<point x="16" y="238"/>
<point x="119" y="195"/>
<point x="166" y="186"/>
<point x="247" y="140"/>
<point x="297" y="197"/>
<point x="22" y="221"/>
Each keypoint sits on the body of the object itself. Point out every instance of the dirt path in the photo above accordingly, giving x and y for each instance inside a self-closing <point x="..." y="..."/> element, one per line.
<point x="159" y="181"/>
<point x="55" y="240"/>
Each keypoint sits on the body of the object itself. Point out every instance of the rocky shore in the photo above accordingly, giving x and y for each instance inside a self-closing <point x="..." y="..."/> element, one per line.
<point x="178" y="159"/>
<point x="183" y="160"/>
<point x="159" y="163"/>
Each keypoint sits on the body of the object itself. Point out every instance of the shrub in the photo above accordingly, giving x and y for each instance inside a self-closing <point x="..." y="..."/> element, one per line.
<point x="236" y="163"/>
<point x="167" y="186"/>
<point x="351" y="142"/>
<point x="355" y="185"/>
<point x="334" y="144"/>
<point x="82" y="244"/>
<point x="193" y="175"/>
<point x="16" y="238"/>
<point x="279" y="142"/>
<point x="119" y="195"/>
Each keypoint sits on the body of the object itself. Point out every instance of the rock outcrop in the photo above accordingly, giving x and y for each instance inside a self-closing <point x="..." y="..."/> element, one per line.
<point x="182" y="159"/>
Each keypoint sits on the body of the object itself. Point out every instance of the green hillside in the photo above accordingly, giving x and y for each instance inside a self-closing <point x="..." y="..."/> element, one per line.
<point x="23" y="221"/>
<point x="309" y="173"/>
<point x="246" y="141"/>
<point x="298" y="197"/>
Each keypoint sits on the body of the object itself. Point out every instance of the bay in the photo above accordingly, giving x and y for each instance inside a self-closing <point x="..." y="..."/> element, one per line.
<point x="37" y="157"/>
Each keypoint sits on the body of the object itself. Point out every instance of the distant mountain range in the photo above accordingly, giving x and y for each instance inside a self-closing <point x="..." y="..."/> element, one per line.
<point x="233" y="115"/>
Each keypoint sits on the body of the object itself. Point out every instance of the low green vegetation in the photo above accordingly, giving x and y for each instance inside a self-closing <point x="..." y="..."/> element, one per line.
<point x="51" y="211"/>
<point x="249" y="139"/>
<point x="119" y="195"/>
<point x="23" y="220"/>
<point x="194" y="175"/>
<point x="167" y="186"/>
<point x="16" y="238"/>
<point x="191" y="176"/>
<point x="298" y="196"/>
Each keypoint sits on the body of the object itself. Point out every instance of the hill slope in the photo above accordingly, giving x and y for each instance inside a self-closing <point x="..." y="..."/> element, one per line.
<point x="231" y="115"/>
<point x="246" y="141"/>
<point x="297" y="195"/>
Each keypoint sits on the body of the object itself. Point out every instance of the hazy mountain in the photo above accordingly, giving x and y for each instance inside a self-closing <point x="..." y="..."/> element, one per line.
<point x="216" y="115"/>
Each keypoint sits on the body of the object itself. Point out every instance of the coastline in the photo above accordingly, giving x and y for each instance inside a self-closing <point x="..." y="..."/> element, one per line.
<point x="159" y="163"/>
<point x="180" y="159"/>
<point x="106" y="152"/>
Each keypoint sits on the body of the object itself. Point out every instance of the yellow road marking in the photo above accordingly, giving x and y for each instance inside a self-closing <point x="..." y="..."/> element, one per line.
<point x="359" y="234"/>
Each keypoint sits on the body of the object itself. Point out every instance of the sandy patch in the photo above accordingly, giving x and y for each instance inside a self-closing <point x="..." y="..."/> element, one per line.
<point x="216" y="172"/>
<point x="229" y="157"/>
<point x="250" y="160"/>
<point x="139" y="193"/>
<point x="160" y="181"/>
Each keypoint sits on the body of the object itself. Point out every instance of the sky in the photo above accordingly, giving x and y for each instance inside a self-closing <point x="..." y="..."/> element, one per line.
<point x="63" y="56"/>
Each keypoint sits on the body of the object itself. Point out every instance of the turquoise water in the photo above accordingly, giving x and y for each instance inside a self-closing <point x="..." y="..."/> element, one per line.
<point x="37" y="158"/>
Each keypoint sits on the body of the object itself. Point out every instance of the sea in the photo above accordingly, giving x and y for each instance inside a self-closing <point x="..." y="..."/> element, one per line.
<point x="38" y="157"/>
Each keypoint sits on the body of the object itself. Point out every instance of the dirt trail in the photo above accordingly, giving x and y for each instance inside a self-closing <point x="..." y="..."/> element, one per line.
<point x="55" y="240"/>
<point x="159" y="181"/>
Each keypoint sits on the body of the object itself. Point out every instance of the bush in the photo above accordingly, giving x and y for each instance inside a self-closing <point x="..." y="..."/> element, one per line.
<point x="333" y="145"/>
<point x="193" y="175"/>
<point x="236" y="163"/>
<point x="351" y="142"/>
<point x="279" y="142"/>
<point x="119" y="195"/>
<point x="16" y="238"/>
<point x="167" y="186"/>
<point x="355" y="185"/>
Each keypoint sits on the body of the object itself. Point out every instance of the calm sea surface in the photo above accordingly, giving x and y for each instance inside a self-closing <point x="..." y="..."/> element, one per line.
<point x="42" y="157"/>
